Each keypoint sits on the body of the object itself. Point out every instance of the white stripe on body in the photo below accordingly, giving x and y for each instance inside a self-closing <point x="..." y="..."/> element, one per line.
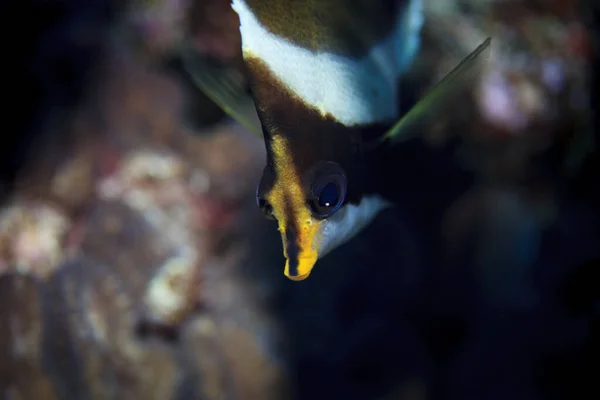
<point x="353" y="91"/>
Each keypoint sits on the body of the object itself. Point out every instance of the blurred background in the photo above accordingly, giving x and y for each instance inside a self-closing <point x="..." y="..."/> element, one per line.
<point x="134" y="263"/>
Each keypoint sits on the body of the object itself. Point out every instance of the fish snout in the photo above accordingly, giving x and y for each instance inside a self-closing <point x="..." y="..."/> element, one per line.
<point x="300" y="268"/>
<point x="299" y="253"/>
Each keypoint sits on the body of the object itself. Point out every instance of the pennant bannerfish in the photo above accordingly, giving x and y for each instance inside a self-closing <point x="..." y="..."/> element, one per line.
<point x="323" y="83"/>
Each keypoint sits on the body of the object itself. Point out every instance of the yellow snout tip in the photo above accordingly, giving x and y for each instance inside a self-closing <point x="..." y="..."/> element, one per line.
<point x="305" y="266"/>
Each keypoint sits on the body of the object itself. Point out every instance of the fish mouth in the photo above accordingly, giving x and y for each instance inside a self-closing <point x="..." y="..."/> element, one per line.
<point x="300" y="253"/>
<point x="300" y="268"/>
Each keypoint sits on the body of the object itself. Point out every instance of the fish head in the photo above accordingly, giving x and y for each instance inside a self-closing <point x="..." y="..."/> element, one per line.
<point x="313" y="183"/>
<point x="309" y="203"/>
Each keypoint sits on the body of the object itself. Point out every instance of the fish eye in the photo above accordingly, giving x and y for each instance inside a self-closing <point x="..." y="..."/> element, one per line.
<point x="328" y="191"/>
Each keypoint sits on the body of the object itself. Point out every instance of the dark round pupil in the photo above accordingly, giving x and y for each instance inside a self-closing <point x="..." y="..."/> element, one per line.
<point x="329" y="195"/>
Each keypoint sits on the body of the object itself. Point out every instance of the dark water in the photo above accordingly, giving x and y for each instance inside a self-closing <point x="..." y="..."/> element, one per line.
<point x="49" y="57"/>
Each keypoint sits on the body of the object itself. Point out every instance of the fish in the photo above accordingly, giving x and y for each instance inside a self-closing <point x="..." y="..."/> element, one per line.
<point x="322" y="92"/>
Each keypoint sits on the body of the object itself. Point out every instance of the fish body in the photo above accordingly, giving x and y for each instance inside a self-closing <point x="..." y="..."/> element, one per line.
<point x="323" y="78"/>
<point x="321" y="72"/>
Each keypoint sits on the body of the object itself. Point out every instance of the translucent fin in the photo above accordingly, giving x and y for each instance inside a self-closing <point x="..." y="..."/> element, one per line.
<point x="441" y="94"/>
<point x="224" y="85"/>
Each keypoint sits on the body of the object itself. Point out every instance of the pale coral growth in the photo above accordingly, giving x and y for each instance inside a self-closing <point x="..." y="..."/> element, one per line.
<point x="498" y="104"/>
<point x="149" y="165"/>
<point x="142" y="170"/>
<point x="199" y="181"/>
<point x="154" y="183"/>
<point x="512" y="104"/>
<point x="31" y="238"/>
<point x="170" y="295"/>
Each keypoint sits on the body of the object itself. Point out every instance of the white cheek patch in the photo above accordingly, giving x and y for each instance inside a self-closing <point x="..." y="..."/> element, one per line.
<point x="353" y="91"/>
<point x="349" y="221"/>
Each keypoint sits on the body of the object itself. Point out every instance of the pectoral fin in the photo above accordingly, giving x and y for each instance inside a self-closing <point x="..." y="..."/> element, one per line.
<point x="441" y="95"/>
<point x="225" y="86"/>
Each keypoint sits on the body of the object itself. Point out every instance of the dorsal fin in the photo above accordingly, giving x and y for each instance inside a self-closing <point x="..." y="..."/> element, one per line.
<point x="225" y="86"/>
<point x="440" y="95"/>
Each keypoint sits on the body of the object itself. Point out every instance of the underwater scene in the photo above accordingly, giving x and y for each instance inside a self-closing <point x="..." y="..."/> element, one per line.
<point x="285" y="199"/>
